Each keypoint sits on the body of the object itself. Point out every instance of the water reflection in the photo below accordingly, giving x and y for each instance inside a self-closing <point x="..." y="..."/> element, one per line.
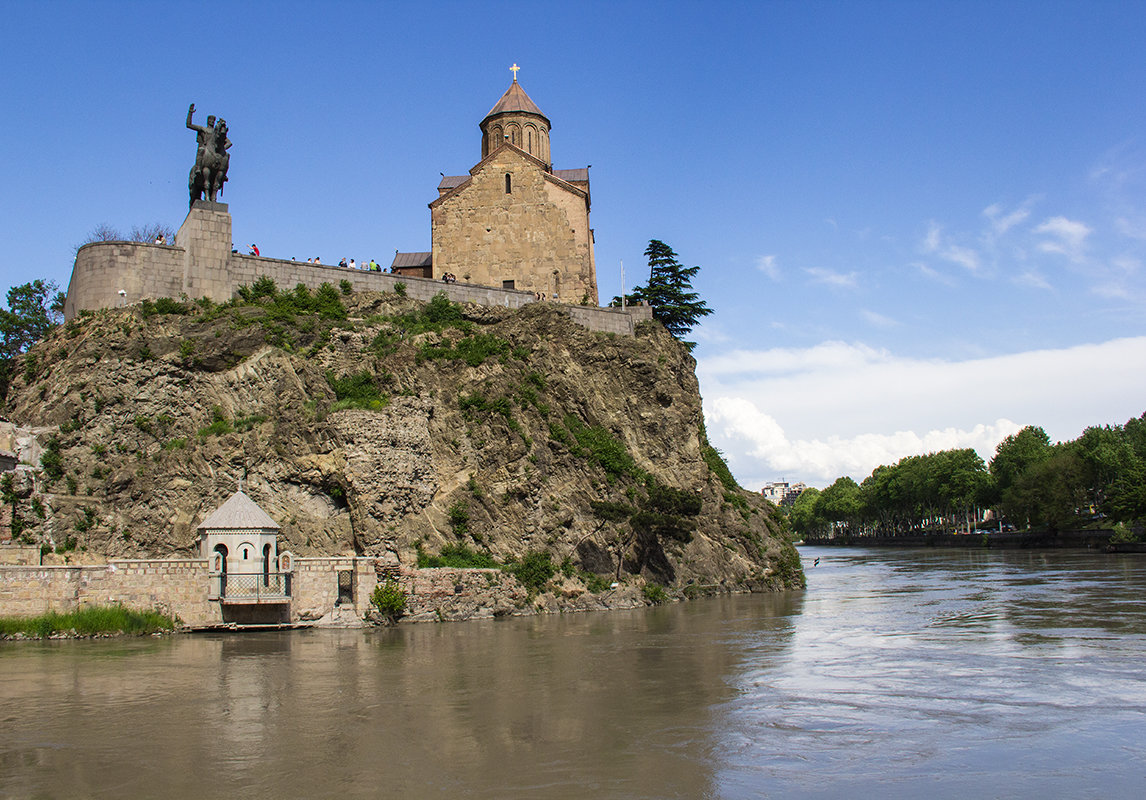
<point x="898" y="673"/>
<point x="617" y="705"/>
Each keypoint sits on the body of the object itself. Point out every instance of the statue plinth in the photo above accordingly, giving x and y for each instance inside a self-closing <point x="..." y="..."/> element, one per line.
<point x="205" y="237"/>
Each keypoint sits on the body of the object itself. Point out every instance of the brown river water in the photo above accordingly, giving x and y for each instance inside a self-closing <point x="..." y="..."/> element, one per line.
<point x="897" y="674"/>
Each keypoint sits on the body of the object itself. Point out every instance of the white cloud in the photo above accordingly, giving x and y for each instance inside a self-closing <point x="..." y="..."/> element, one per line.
<point x="836" y="408"/>
<point x="935" y="243"/>
<point x="768" y="265"/>
<point x="877" y="320"/>
<point x="841" y="280"/>
<point x="1033" y="279"/>
<point x="933" y="274"/>
<point x="823" y="460"/>
<point x="932" y="238"/>
<point x="1002" y="220"/>
<point x="1066" y="237"/>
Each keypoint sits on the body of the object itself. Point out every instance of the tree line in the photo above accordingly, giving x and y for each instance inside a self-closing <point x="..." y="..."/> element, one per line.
<point x="1029" y="483"/>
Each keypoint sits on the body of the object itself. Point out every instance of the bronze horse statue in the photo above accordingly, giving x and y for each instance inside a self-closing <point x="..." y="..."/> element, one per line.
<point x="211" y="160"/>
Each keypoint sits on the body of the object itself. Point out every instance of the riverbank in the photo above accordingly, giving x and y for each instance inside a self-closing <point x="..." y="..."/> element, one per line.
<point x="1020" y="540"/>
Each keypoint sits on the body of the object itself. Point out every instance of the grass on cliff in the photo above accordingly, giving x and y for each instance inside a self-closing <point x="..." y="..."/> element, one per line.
<point x="88" y="621"/>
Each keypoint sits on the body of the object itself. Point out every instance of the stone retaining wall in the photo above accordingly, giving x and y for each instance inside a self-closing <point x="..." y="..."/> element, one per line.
<point x="173" y="586"/>
<point x="179" y="587"/>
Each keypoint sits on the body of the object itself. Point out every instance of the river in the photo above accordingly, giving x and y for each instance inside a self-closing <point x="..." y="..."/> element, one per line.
<point x="897" y="674"/>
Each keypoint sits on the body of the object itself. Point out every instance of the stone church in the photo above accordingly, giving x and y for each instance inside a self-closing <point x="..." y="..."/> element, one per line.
<point x="513" y="222"/>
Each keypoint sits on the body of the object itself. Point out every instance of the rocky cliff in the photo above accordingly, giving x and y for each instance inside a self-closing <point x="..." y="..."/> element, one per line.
<point x="375" y="424"/>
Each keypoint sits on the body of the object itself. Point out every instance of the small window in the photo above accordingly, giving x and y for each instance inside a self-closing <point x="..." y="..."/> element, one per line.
<point x="507" y="284"/>
<point x="508" y="184"/>
<point x="246" y="553"/>
<point x="345" y="586"/>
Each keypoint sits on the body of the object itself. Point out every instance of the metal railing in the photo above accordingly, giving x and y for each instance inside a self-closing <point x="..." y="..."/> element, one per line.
<point x="254" y="588"/>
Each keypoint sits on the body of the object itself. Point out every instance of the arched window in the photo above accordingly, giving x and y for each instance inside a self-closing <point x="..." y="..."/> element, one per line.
<point x="529" y="134"/>
<point x="508" y="183"/>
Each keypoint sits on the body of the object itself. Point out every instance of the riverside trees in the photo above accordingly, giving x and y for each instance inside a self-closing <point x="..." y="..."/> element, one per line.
<point x="1032" y="482"/>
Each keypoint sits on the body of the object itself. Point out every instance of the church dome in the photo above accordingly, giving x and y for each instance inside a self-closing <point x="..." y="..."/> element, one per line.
<point x="517" y="119"/>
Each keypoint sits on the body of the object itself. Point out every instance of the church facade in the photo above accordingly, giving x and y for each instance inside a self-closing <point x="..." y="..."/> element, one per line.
<point x="514" y="222"/>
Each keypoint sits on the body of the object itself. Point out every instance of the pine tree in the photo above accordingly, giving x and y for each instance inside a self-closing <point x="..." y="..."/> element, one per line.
<point x="669" y="292"/>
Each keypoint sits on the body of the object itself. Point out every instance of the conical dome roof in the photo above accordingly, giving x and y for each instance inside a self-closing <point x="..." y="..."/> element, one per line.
<point x="515" y="100"/>
<point x="238" y="513"/>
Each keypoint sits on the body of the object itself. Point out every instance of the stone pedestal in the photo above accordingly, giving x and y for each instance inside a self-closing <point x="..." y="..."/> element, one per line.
<point x="205" y="237"/>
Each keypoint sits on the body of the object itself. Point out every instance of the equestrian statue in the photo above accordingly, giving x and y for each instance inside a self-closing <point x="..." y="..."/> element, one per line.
<point x="211" y="160"/>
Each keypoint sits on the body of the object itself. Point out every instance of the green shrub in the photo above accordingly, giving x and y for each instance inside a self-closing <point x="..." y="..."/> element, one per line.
<point x="51" y="460"/>
<point x="459" y="518"/>
<point x="593" y="582"/>
<point x="346" y="287"/>
<point x="1122" y="534"/>
<point x="600" y="446"/>
<point x="474" y="350"/>
<point x="84" y="524"/>
<point x="219" y="426"/>
<point x="400" y="289"/>
<point x="357" y="390"/>
<point x="456" y="556"/>
<point x="31" y="367"/>
<point x="390" y="600"/>
<point x="655" y="593"/>
<point x="534" y="570"/>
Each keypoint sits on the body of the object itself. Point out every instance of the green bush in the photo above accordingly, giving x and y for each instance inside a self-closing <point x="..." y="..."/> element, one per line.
<point x="400" y="289"/>
<point x="357" y="390"/>
<point x="219" y="426"/>
<point x="390" y="600"/>
<point x="534" y="570"/>
<point x="655" y="593"/>
<point x="346" y="287"/>
<point x="600" y="446"/>
<point x="459" y="518"/>
<point x="474" y="350"/>
<point x="51" y="460"/>
<point x="456" y="556"/>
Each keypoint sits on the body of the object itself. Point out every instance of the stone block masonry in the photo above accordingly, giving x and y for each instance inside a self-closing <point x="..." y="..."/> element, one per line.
<point x="202" y="265"/>
<point x="331" y="589"/>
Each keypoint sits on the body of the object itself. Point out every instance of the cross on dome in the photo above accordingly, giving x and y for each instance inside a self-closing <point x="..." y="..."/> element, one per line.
<point x="514" y="70"/>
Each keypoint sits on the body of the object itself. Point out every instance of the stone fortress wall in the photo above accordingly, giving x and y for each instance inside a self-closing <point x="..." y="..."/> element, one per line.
<point x="201" y="264"/>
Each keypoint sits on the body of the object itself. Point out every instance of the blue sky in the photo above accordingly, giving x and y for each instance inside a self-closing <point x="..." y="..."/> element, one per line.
<point x="920" y="225"/>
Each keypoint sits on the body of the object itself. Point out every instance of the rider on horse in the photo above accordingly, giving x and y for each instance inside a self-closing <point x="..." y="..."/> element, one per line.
<point x="211" y="159"/>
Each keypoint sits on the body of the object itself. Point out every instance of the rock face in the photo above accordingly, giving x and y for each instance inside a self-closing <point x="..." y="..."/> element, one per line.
<point x="404" y="427"/>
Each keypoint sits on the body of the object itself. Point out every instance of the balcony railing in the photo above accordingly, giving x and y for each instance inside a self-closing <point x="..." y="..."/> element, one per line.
<point x="272" y="587"/>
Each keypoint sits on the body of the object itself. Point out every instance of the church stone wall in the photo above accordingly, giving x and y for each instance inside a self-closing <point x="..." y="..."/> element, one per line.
<point x="536" y="235"/>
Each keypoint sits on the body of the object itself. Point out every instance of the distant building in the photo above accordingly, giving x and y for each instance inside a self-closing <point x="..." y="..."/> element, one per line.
<point x="782" y="493"/>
